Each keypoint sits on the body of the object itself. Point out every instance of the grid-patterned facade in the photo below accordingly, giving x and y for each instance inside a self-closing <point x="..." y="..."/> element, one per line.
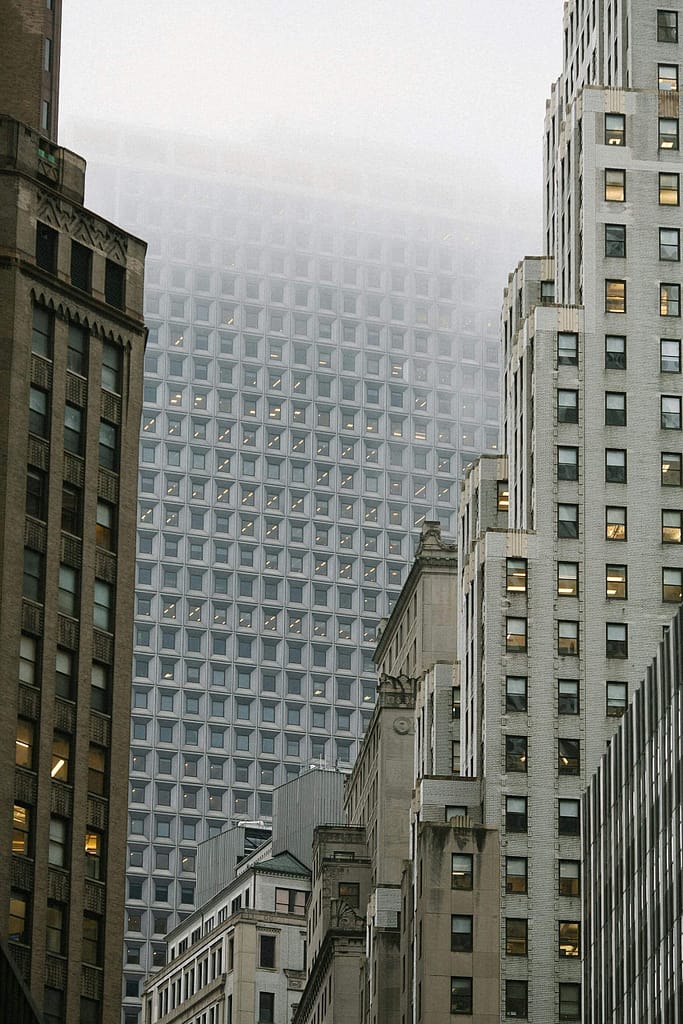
<point x="320" y="367"/>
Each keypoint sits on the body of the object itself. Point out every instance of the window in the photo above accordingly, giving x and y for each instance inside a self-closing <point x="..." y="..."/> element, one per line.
<point x="615" y="466"/>
<point x="616" y="581"/>
<point x="103" y="605"/>
<point x="461" y="933"/>
<point x="36" y="492"/>
<point x="615" y="523"/>
<point x="568" y="757"/>
<point x="567" y="579"/>
<point x="33" y="574"/>
<point x="672" y="585"/>
<point x="567" y="463"/>
<point x="669" y="355"/>
<point x="290" y="901"/>
<point x="667" y="78"/>
<point x="77" y="349"/>
<point x="569" y="938"/>
<point x="615" y="408"/>
<point x="516" y="571"/>
<point x="570" y="1000"/>
<point x="111" y="368"/>
<point x="668" y="133"/>
<point x="516" y="759"/>
<point x="24" y="743"/>
<point x="42" y="329"/>
<point x="615" y="185"/>
<point x="515" y="634"/>
<point x="67" y="593"/>
<point x="568" y="521"/>
<point x="97" y="762"/>
<point x="669" y="189"/>
<point x="516" y="998"/>
<point x="515" y="693"/>
<point x="516" y="870"/>
<point x="670" y="300"/>
<point x="18" y="917"/>
<point x="461" y="871"/>
<point x="21" y="830"/>
<point x="568" y="638"/>
<point x="670" y="412"/>
<point x="516" y="817"/>
<point x="569" y="878"/>
<point x="616" y="640"/>
<point x="671" y="469"/>
<point x="55" y="921"/>
<point x="615" y="129"/>
<point x="569" y="817"/>
<point x="61" y="756"/>
<point x="567" y="697"/>
<point x="672" y="525"/>
<point x="615" y="240"/>
<point x="516" y="936"/>
<point x="567" y="406"/>
<point x="108" y="445"/>
<point x="47" y="241"/>
<point x="615" y="352"/>
<point x="615" y="296"/>
<point x="461" y="995"/>
<point x="267" y="951"/>
<point x="670" y="245"/>
<point x="667" y="26"/>
<point x="567" y="349"/>
<point x="114" y="284"/>
<point x="91" y="950"/>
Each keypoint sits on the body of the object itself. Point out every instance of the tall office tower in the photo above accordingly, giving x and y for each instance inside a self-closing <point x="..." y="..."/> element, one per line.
<point x="320" y="367"/>
<point x="575" y="593"/>
<point x="71" y="356"/>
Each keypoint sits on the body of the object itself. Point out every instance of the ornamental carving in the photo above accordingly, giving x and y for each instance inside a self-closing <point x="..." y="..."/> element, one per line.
<point x="80" y="225"/>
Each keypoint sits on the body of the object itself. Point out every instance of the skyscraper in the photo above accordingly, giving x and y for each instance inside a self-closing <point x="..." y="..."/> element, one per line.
<point x="70" y="398"/>
<point x="574" y="595"/>
<point x="322" y="364"/>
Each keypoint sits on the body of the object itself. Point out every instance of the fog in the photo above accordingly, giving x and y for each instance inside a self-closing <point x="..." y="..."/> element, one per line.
<point x="462" y="80"/>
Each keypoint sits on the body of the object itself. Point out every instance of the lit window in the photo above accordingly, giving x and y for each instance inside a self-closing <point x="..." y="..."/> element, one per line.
<point x="615" y="523"/>
<point x="672" y="526"/>
<point x="615" y="296"/>
<point x="669" y="189"/>
<point x="615" y="185"/>
<point x="569" y="936"/>
<point x="567" y="579"/>
<point x="568" y="757"/>
<point x="516" y="571"/>
<point x="516" y="870"/>
<point x="516" y="936"/>
<point x="672" y="584"/>
<point x="616" y="581"/>
<point x="568" y="638"/>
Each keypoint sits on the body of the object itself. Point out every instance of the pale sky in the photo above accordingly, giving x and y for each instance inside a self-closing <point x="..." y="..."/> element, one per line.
<point x="458" y="76"/>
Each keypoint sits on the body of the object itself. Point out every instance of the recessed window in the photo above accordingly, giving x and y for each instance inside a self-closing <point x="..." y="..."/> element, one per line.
<point x="567" y="406"/>
<point x="567" y="349"/>
<point x="670" y="412"/>
<point x="669" y="189"/>
<point x="616" y="581"/>
<point x="567" y="463"/>
<point x="616" y="699"/>
<point x="672" y="526"/>
<point x="671" y="469"/>
<point x="461" y="871"/>
<point x="515" y="693"/>
<point x="615" y="240"/>
<point x="615" y="296"/>
<point x="667" y="77"/>
<point x="615" y="466"/>
<point x="615" y="352"/>
<point x="516" y="757"/>
<point x="670" y="355"/>
<point x="569" y="878"/>
<point x="568" y="638"/>
<point x="668" y="133"/>
<point x="567" y="697"/>
<point x="615" y="522"/>
<point x="267" y="951"/>
<point x="615" y="408"/>
<point x="567" y="521"/>
<point x="516" y="998"/>
<point x="569" y="1007"/>
<point x="516" y="936"/>
<point x="461" y="996"/>
<point x="615" y="129"/>
<point x="516" y="817"/>
<point x="615" y="185"/>
<point x="568" y="757"/>
<point x="461" y="933"/>
<point x="616" y="644"/>
<point x="516" y="575"/>
<point x="672" y="584"/>
<point x="567" y="579"/>
<point x="569" y="817"/>
<point x="516" y="634"/>
<point x="670" y="245"/>
<point x="667" y="26"/>
<point x="516" y="871"/>
<point x="569" y="939"/>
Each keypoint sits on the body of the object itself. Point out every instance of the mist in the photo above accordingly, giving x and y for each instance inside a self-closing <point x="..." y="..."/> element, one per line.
<point x="454" y="81"/>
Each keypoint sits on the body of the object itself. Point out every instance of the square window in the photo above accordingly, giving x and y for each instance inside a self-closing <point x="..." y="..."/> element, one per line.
<point x="615" y="185"/>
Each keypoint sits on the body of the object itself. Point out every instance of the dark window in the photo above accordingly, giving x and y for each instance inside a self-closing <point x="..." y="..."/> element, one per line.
<point x="568" y="757"/>
<point x="33" y="574"/>
<point x="567" y="349"/>
<point x="46" y="247"/>
<point x="19" y="915"/>
<point x="77" y="350"/>
<point x="567" y="697"/>
<point x="615" y="352"/>
<point x="36" y="492"/>
<point x="55" y="928"/>
<point x="567" y="463"/>
<point x="267" y="951"/>
<point x="570" y="1001"/>
<point x="349" y="893"/>
<point x="667" y="26"/>
<point x="516" y="819"/>
<point x="569" y="817"/>
<point x="569" y="877"/>
<point x="516" y="870"/>
<point x="71" y="509"/>
<point x="97" y="763"/>
<point x="616" y="640"/>
<point x="615" y="466"/>
<point x="461" y="933"/>
<point x="266" y="1008"/>
<point x="516" y="936"/>
<point x="91" y="950"/>
<point x="567" y="520"/>
<point x="111" y="368"/>
<point x="516" y="998"/>
<point x="38" y="422"/>
<point x="461" y="995"/>
<point x="81" y="266"/>
<point x="108" y="445"/>
<point x="567" y="406"/>
<point x="670" y="245"/>
<point x="615" y="240"/>
<point x="41" y="336"/>
<point x="73" y="429"/>
<point x="615" y="408"/>
<point x="515" y="693"/>
<point x="114" y="284"/>
<point x="516" y="758"/>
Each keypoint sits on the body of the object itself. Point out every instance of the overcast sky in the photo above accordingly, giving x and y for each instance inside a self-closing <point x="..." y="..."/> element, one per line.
<point x="458" y="76"/>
